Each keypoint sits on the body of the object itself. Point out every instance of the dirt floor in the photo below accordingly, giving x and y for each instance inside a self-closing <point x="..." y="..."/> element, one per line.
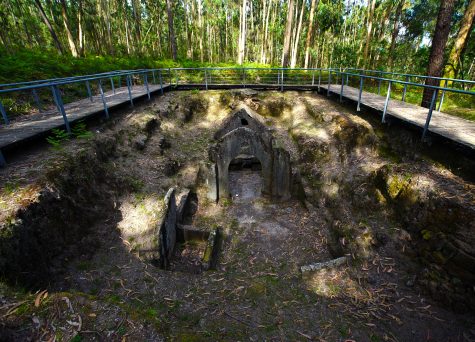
<point x="365" y="194"/>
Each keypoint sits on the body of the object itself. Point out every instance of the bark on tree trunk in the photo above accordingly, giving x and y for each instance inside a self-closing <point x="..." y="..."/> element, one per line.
<point x="50" y="27"/>
<point x="310" y="33"/>
<point x="171" y="31"/>
<point x="368" y="32"/>
<point x="288" y="34"/>
<point x="436" y="59"/>
<point x="466" y="25"/>
<point x="242" y="33"/>
<point x="293" y="61"/>
<point x="395" y="33"/>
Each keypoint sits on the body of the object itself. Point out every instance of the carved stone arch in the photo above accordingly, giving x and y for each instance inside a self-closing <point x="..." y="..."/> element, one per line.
<point x="243" y="141"/>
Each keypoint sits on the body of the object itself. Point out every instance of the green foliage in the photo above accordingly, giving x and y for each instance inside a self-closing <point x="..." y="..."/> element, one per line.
<point x="80" y="130"/>
<point x="57" y="137"/>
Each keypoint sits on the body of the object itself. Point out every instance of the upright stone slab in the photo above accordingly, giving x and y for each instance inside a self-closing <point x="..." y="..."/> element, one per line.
<point x="167" y="229"/>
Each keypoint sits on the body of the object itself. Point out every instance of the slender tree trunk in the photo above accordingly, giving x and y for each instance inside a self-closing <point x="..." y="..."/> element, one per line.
<point x="50" y="27"/>
<point x="310" y="32"/>
<point x="288" y="34"/>
<point x="395" y="33"/>
<point x="293" y="61"/>
<point x="200" y="30"/>
<point x="171" y="31"/>
<point x="72" y="44"/>
<point x="80" y="30"/>
<point x="466" y="25"/>
<point x="369" y="31"/>
<point x="242" y="33"/>
<point x="436" y="59"/>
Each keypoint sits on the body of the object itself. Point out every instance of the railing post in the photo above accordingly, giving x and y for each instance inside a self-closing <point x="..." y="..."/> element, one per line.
<point x="145" y="79"/>
<point x="4" y="114"/>
<point x="176" y="77"/>
<point x="153" y="77"/>
<point x="37" y="100"/>
<point x="387" y="102"/>
<point x="358" y="108"/>
<point x="341" y="90"/>
<point x="112" y="85"/>
<point x="206" y="78"/>
<point x="313" y="77"/>
<point x="106" y="110"/>
<point x="379" y="84"/>
<point x="88" y="86"/>
<point x="170" y="77"/>
<point x="429" y="115"/>
<point x="244" y="77"/>
<point x="442" y="96"/>
<point x="282" y="80"/>
<point x="329" y="81"/>
<point x="60" y="106"/>
<point x="161" y="80"/>
<point x="405" y="89"/>
<point x="346" y="79"/>
<point x="319" y="79"/>
<point x="120" y="82"/>
<point x="129" y="82"/>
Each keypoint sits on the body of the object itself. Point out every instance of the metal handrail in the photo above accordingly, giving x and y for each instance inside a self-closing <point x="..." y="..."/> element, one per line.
<point x="277" y="76"/>
<point x="65" y="81"/>
<point x="105" y="74"/>
<point x="415" y="75"/>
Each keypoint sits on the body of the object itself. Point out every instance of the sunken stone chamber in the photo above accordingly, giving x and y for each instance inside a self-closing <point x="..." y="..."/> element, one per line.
<point x="245" y="135"/>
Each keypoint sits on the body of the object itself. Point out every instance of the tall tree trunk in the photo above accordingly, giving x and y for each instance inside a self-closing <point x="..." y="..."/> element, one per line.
<point x="242" y="33"/>
<point x="466" y="25"/>
<point x="293" y="61"/>
<point x="80" y="29"/>
<point x="138" y="27"/>
<point x="436" y="59"/>
<point x="200" y="30"/>
<point x="309" y="33"/>
<point x="369" y="31"/>
<point x="50" y="27"/>
<point x="72" y="44"/>
<point x="288" y="34"/>
<point x="395" y="33"/>
<point x="171" y="31"/>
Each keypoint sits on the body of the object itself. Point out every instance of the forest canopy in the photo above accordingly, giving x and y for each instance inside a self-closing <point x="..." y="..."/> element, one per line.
<point x="373" y="34"/>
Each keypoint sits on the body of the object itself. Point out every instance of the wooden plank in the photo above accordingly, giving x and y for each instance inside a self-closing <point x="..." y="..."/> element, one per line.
<point x="449" y="126"/>
<point x="28" y="126"/>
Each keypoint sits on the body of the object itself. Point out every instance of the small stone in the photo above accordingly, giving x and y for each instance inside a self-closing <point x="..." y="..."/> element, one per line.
<point x="140" y="142"/>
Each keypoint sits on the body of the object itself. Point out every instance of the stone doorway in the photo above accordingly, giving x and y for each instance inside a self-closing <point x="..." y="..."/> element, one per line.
<point x="245" y="178"/>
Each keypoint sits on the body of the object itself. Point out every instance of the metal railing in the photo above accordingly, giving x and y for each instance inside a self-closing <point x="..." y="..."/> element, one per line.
<point x="276" y="78"/>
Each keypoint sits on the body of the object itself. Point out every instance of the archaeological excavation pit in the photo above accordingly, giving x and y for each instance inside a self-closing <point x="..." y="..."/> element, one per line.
<point x="243" y="214"/>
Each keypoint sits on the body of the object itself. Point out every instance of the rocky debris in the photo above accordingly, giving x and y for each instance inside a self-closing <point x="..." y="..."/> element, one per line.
<point x="321" y="265"/>
<point x="140" y="142"/>
<point x="244" y="93"/>
<point x="171" y="167"/>
<point x="164" y="144"/>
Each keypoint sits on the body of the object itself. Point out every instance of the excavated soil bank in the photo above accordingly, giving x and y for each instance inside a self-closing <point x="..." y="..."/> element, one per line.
<point x="79" y="231"/>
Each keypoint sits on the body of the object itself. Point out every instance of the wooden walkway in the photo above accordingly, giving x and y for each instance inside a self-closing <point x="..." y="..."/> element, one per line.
<point x="26" y="127"/>
<point x="29" y="126"/>
<point x="451" y="127"/>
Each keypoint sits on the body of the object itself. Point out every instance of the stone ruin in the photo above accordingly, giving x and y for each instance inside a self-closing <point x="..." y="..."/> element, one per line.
<point x="174" y="228"/>
<point x="245" y="135"/>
